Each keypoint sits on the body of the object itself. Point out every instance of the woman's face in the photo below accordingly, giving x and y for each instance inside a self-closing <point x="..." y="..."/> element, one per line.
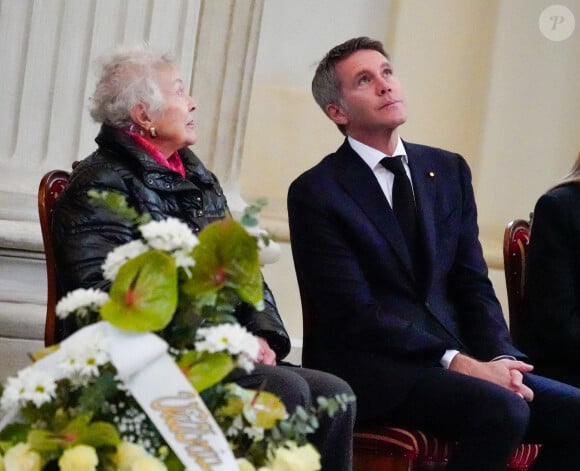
<point x="174" y="126"/>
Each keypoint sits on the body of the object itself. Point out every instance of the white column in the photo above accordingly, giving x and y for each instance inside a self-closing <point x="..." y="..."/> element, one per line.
<point x="47" y="49"/>
<point x="224" y="68"/>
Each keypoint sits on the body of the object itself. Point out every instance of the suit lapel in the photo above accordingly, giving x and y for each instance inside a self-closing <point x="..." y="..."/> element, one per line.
<point x="424" y="177"/>
<point x="424" y="172"/>
<point x="360" y="183"/>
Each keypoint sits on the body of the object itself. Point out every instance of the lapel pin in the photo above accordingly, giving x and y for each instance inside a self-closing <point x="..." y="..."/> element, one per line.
<point x="431" y="174"/>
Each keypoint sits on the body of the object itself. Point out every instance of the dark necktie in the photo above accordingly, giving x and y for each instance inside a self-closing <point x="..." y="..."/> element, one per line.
<point x="403" y="200"/>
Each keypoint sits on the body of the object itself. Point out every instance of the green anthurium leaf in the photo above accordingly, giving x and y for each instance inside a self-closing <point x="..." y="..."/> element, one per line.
<point x="226" y="257"/>
<point x="45" y="441"/>
<point x="143" y="296"/>
<point x="75" y="425"/>
<point x="61" y="415"/>
<point x="188" y="359"/>
<point x="81" y="430"/>
<point x="99" y="434"/>
<point x="204" y="369"/>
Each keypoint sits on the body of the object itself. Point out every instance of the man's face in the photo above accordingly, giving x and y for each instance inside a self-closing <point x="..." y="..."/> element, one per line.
<point x="372" y="99"/>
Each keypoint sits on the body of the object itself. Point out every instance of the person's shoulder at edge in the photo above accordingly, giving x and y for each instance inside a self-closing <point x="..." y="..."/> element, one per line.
<point x="570" y="190"/>
<point x="559" y="203"/>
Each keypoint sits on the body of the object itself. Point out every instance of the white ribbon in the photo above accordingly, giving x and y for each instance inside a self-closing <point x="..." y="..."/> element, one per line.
<point x="162" y="390"/>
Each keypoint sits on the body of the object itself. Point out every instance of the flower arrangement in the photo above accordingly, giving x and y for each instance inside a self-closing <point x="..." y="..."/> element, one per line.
<point x="145" y="383"/>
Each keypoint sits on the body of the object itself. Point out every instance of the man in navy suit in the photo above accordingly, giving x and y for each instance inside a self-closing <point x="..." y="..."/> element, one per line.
<point x="412" y="321"/>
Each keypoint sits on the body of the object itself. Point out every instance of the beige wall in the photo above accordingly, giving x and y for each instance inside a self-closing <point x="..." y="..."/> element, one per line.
<point x="480" y="79"/>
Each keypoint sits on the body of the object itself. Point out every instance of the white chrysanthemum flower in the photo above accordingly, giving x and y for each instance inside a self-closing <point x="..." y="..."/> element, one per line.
<point x="119" y="255"/>
<point x="170" y="235"/>
<point x="231" y="338"/>
<point x="30" y="385"/>
<point x="83" y="357"/>
<point x="80" y="302"/>
<point x="11" y="395"/>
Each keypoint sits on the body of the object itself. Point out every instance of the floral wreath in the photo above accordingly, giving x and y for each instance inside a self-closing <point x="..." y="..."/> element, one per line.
<point x="82" y="405"/>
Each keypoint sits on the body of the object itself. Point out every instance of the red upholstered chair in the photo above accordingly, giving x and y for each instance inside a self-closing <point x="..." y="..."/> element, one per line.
<point x="51" y="186"/>
<point x="515" y="246"/>
<point x="386" y="448"/>
<point x="390" y="448"/>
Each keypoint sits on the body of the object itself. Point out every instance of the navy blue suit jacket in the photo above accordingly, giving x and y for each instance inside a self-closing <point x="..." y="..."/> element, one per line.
<point x="371" y="319"/>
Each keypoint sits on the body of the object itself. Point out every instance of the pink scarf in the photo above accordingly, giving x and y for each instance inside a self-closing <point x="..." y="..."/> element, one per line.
<point x="172" y="163"/>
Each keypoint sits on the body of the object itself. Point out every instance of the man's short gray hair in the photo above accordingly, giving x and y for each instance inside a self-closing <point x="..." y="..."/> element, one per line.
<point x="325" y="84"/>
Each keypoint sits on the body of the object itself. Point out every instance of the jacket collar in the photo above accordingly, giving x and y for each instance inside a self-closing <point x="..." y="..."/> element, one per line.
<point x="120" y="143"/>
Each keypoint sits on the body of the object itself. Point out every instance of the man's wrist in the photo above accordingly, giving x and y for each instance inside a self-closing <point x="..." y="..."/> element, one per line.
<point x="503" y="357"/>
<point x="448" y="357"/>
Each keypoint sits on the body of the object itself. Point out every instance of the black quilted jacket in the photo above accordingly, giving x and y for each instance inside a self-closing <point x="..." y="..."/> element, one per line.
<point x="83" y="233"/>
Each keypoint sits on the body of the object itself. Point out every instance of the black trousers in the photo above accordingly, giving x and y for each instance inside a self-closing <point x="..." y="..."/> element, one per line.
<point x="490" y="421"/>
<point x="301" y="386"/>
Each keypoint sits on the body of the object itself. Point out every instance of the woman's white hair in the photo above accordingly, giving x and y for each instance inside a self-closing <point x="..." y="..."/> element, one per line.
<point x="128" y="76"/>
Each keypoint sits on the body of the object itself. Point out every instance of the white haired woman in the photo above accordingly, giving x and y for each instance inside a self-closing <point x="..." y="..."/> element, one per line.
<point x="142" y="152"/>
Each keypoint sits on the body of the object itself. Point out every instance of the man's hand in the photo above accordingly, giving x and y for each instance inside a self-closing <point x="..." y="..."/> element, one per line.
<point x="504" y="372"/>
<point x="266" y="355"/>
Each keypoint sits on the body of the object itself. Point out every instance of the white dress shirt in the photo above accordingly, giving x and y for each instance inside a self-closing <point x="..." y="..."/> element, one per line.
<point x="372" y="157"/>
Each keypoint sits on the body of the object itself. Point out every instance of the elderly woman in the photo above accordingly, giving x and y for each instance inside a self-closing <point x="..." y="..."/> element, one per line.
<point x="142" y="153"/>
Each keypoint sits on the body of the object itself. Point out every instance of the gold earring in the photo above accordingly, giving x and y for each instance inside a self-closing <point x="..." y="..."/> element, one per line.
<point x="152" y="132"/>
